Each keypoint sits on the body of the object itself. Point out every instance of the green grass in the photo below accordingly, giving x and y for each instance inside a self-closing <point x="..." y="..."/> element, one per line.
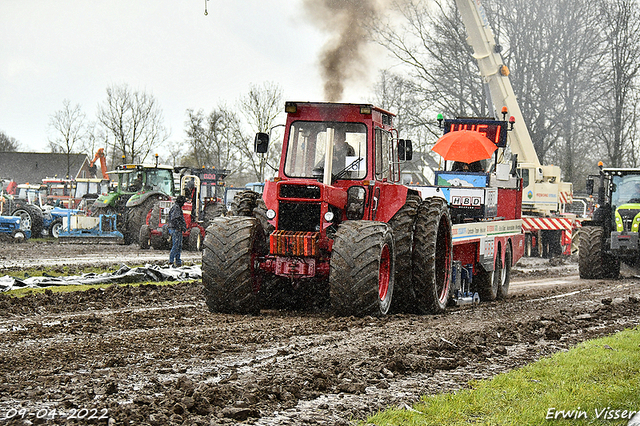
<point x="598" y="375"/>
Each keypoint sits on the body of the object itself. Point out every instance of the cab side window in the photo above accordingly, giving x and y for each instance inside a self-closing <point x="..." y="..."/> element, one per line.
<point x="382" y="142"/>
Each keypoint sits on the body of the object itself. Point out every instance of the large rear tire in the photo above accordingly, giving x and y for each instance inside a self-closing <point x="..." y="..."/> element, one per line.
<point x="211" y="211"/>
<point x="145" y="237"/>
<point x="432" y="256"/>
<point x="136" y="217"/>
<point x="593" y="263"/>
<point x="229" y="274"/>
<point x="194" y="242"/>
<point x="31" y="218"/>
<point x="361" y="278"/>
<point x="402" y="226"/>
<point x="244" y="202"/>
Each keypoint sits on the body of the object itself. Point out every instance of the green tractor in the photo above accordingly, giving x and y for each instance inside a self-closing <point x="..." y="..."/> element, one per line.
<point x="138" y="188"/>
<point x="611" y="236"/>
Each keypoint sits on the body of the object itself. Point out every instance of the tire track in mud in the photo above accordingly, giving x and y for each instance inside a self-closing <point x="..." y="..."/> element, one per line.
<point x="155" y="355"/>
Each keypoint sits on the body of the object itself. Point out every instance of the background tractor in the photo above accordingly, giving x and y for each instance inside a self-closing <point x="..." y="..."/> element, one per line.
<point x="138" y="188"/>
<point x="202" y="188"/>
<point x="611" y="236"/>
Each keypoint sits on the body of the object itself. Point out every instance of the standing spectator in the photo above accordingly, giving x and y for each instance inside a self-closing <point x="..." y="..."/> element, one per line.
<point x="177" y="225"/>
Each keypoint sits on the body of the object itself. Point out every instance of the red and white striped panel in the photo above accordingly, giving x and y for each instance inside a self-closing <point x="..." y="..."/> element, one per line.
<point x="565" y="197"/>
<point x="546" y="223"/>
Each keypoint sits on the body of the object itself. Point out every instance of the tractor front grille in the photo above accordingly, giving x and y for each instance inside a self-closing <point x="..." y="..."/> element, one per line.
<point x="627" y="216"/>
<point x="300" y="191"/>
<point x="303" y="217"/>
<point x="287" y="243"/>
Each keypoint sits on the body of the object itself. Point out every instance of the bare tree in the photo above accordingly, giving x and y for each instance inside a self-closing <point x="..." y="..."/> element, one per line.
<point x="261" y="107"/>
<point x="68" y="130"/>
<point x="621" y="23"/>
<point x="7" y="143"/>
<point x="212" y="140"/>
<point x="431" y="46"/>
<point x="135" y="121"/>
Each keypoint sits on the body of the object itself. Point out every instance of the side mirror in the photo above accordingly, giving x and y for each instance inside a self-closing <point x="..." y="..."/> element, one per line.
<point x="261" y="143"/>
<point x="405" y="150"/>
<point x="589" y="186"/>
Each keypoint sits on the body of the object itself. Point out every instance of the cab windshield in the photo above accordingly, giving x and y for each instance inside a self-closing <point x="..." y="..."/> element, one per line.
<point x="307" y="145"/>
<point x="627" y="190"/>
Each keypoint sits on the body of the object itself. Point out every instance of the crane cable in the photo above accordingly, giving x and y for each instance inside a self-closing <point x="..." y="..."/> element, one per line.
<point x="205" y="8"/>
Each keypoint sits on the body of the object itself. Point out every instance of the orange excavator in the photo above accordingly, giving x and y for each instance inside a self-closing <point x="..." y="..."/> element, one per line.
<point x="103" y="163"/>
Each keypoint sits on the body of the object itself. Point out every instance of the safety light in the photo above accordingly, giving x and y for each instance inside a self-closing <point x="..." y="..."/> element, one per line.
<point x="290" y="108"/>
<point x="328" y="216"/>
<point x="504" y="70"/>
<point x="271" y="214"/>
<point x="365" y="110"/>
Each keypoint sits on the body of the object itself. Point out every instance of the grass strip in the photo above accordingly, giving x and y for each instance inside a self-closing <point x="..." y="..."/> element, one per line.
<point x="595" y="383"/>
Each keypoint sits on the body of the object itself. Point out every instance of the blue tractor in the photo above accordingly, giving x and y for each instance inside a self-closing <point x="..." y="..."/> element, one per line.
<point x="10" y="226"/>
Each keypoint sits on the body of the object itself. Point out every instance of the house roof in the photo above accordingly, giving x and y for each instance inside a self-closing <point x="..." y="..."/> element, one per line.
<point x="32" y="167"/>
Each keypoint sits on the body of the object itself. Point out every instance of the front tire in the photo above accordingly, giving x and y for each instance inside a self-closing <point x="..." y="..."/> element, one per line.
<point x="593" y="263"/>
<point x="229" y="274"/>
<point x="432" y="256"/>
<point x="362" y="272"/>
<point x="56" y="227"/>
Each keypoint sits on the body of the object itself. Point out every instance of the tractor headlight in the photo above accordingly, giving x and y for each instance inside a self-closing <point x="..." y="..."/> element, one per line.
<point x="328" y="216"/>
<point x="271" y="214"/>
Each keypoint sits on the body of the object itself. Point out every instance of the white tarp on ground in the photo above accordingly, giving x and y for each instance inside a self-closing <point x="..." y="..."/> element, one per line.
<point x="122" y="275"/>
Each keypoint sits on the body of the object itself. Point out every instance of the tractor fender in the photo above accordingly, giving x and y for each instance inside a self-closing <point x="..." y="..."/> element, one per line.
<point x="140" y="198"/>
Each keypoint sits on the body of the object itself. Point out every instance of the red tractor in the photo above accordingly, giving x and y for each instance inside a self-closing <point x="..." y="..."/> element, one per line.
<point x="337" y="223"/>
<point x="202" y="188"/>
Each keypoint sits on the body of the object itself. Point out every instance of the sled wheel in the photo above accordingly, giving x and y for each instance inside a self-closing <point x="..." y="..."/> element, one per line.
<point x="488" y="282"/>
<point x="505" y="273"/>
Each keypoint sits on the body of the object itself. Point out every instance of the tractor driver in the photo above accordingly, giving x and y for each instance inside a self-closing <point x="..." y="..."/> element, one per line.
<point x="341" y="150"/>
<point x="137" y="184"/>
<point x="635" y="197"/>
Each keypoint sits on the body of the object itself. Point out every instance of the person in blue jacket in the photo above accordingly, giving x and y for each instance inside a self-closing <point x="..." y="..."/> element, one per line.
<point x="177" y="225"/>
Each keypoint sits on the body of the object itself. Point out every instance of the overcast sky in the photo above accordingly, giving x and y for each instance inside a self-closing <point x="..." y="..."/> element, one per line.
<point x="51" y="50"/>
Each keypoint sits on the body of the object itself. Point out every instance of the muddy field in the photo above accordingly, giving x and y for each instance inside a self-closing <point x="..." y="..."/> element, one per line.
<point x="155" y="355"/>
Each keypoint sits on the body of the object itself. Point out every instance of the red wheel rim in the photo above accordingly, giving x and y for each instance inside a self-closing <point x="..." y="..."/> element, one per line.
<point x="384" y="273"/>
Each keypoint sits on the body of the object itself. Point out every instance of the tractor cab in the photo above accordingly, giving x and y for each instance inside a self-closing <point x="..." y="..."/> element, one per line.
<point x="340" y="162"/>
